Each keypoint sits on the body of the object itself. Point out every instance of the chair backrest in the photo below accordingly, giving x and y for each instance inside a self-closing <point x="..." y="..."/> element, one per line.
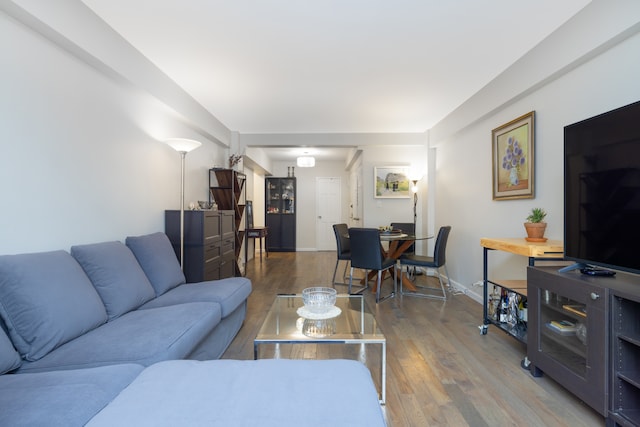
<point x="439" y="251"/>
<point x="408" y="228"/>
<point x="342" y="240"/>
<point x="365" y="248"/>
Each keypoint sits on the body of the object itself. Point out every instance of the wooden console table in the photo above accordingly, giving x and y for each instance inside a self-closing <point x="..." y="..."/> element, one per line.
<point x="259" y="233"/>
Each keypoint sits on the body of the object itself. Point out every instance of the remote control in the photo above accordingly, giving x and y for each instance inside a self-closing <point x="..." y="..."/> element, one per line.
<point x="591" y="271"/>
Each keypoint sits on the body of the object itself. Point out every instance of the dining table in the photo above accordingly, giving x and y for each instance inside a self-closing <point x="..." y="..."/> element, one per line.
<point x="398" y="244"/>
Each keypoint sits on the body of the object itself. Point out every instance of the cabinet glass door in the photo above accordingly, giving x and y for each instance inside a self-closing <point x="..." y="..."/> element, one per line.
<point x="563" y="330"/>
<point x="288" y="196"/>
<point x="273" y="195"/>
<point x="280" y="196"/>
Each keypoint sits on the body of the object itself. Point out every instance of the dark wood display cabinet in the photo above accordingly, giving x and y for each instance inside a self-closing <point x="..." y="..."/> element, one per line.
<point x="208" y="243"/>
<point x="226" y="189"/>
<point x="568" y="329"/>
<point x="280" y="214"/>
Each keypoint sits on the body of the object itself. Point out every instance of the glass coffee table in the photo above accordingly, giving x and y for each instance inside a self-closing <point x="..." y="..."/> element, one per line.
<point x="353" y="324"/>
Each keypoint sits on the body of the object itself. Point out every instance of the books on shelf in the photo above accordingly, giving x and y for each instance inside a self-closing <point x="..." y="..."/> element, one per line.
<point x="563" y="327"/>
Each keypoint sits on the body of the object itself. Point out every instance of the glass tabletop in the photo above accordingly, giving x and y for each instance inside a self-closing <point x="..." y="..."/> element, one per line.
<point x="354" y="324"/>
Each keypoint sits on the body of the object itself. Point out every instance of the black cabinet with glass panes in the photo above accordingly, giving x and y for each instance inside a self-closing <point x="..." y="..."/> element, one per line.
<point x="280" y="214"/>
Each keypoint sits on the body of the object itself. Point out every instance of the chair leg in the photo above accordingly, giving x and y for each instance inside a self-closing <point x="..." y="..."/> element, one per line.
<point x="344" y="275"/>
<point x="359" y="291"/>
<point x="424" y="295"/>
<point x="379" y="281"/>
<point x="350" y="281"/>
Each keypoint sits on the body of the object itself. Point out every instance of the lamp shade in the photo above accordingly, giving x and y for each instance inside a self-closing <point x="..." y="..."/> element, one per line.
<point x="183" y="145"/>
<point x="306" y="162"/>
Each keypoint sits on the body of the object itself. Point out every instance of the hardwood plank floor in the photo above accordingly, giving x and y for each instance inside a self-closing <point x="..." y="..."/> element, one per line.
<point x="440" y="370"/>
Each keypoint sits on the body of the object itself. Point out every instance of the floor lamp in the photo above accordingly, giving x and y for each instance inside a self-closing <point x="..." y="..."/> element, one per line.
<point x="182" y="146"/>
<point x="414" y="190"/>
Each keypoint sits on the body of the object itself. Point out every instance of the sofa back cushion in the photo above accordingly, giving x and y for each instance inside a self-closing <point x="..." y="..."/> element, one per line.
<point x="116" y="275"/>
<point x="9" y="357"/>
<point x="46" y="299"/>
<point x="158" y="260"/>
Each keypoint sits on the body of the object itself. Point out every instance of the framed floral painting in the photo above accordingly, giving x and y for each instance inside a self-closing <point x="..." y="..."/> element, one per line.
<point x="513" y="159"/>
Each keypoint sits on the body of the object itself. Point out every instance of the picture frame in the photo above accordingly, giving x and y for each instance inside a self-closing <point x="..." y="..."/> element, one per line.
<point x="513" y="159"/>
<point x="391" y="182"/>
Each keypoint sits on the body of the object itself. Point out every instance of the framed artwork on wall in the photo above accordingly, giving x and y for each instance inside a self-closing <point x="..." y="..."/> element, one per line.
<point x="513" y="159"/>
<point x="391" y="182"/>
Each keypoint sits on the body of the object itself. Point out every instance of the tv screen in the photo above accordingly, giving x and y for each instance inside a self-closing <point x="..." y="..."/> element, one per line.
<point x="602" y="190"/>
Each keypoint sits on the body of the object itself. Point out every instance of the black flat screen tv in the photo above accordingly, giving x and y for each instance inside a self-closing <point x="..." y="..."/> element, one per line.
<point x="602" y="190"/>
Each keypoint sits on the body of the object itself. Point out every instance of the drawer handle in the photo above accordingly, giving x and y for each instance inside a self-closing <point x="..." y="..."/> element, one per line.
<point x="594" y="296"/>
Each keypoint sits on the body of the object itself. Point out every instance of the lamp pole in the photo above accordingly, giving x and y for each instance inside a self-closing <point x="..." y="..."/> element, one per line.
<point x="182" y="146"/>
<point x="414" y="189"/>
<point x="183" y="155"/>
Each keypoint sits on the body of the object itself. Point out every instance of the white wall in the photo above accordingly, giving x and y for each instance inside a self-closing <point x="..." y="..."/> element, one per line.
<point x="80" y="157"/>
<point x="604" y="79"/>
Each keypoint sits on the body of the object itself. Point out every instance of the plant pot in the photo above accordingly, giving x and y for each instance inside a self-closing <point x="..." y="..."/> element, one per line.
<point x="535" y="231"/>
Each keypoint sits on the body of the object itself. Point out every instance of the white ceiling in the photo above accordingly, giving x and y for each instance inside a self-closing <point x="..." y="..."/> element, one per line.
<point x="307" y="66"/>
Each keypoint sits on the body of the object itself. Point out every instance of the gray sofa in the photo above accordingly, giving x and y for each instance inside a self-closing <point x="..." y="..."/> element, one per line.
<point x="105" y="329"/>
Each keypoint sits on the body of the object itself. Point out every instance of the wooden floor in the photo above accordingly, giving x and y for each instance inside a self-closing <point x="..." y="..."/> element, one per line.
<point x="440" y="370"/>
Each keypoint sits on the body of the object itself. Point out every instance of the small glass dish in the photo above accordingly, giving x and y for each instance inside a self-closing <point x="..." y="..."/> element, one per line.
<point x="319" y="299"/>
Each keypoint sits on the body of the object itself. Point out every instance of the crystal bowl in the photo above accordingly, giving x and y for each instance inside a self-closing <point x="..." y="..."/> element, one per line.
<point x="319" y="299"/>
<point x="319" y="328"/>
<point x="205" y="205"/>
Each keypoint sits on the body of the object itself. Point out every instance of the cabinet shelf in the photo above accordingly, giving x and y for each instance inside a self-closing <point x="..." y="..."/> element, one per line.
<point x="226" y="188"/>
<point x="632" y="378"/>
<point x="632" y="339"/>
<point x="632" y="417"/>
<point x="567" y="342"/>
<point x="518" y="331"/>
<point x="559" y="307"/>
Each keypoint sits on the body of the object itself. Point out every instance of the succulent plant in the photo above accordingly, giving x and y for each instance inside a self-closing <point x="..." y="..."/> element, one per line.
<point x="537" y="215"/>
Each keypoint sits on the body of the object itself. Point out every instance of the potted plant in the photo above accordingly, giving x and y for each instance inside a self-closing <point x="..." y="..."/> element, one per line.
<point x="535" y="225"/>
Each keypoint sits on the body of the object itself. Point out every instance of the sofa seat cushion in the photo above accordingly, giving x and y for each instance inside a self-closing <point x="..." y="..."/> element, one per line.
<point x="269" y="392"/>
<point x="46" y="299"/>
<point x="229" y="293"/>
<point x="158" y="260"/>
<point x="116" y="275"/>
<point x="61" y="398"/>
<point x="142" y="336"/>
<point x="9" y="357"/>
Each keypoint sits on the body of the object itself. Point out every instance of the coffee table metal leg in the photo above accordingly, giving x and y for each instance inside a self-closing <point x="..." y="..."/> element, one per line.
<point x="383" y="373"/>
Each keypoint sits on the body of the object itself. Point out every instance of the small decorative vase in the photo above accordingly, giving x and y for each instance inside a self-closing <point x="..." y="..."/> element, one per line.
<point x="513" y="176"/>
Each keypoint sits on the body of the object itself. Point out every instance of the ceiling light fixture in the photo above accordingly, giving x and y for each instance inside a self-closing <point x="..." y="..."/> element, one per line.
<point x="306" y="162"/>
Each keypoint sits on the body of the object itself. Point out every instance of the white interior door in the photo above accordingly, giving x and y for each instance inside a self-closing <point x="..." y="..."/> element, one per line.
<point x="328" y="212"/>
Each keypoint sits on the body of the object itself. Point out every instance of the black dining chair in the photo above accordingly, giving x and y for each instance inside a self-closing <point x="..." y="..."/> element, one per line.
<point x="366" y="255"/>
<point x="343" y="246"/>
<point x="435" y="262"/>
<point x="407" y="228"/>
